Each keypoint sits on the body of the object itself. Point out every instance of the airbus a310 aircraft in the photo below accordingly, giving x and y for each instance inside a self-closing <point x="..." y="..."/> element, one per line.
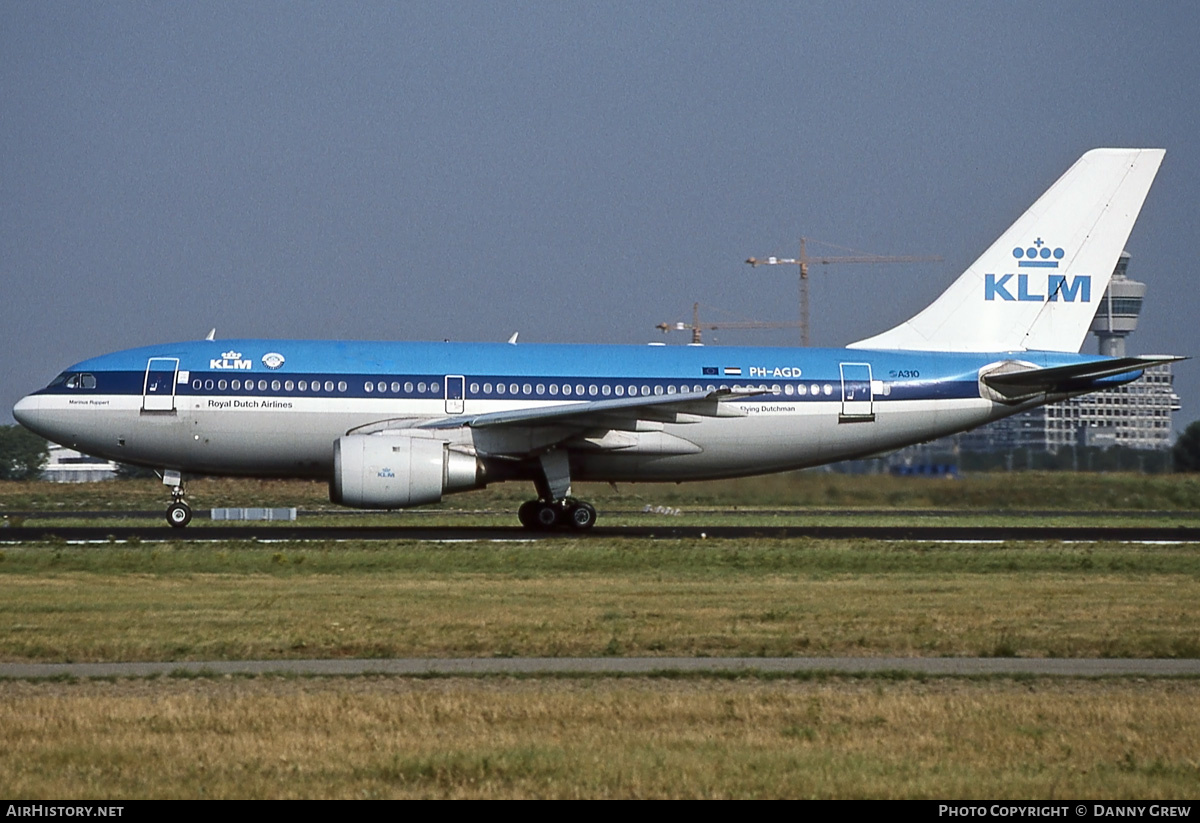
<point x="392" y="425"/>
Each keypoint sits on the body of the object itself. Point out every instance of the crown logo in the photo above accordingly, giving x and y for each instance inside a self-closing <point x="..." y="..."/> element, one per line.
<point x="231" y="355"/>
<point x="1038" y="256"/>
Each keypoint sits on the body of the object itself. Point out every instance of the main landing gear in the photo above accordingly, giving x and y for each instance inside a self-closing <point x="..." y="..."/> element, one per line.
<point x="554" y="508"/>
<point x="544" y="515"/>
<point x="179" y="513"/>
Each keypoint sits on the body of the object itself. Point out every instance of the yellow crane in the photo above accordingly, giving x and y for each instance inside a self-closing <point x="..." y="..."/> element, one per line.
<point x="696" y="326"/>
<point x="803" y="261"/>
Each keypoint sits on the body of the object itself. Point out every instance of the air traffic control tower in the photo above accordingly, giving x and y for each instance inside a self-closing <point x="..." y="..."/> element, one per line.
<point x="1117" y="315"/>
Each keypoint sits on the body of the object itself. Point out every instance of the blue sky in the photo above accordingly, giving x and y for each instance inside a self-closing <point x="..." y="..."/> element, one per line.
<point x="578" y="172"/>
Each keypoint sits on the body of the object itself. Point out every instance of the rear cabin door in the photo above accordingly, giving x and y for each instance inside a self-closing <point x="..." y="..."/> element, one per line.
<point x="858" y="402"/>
<point x="158" y="390"/>
<point x="455" y="393"/>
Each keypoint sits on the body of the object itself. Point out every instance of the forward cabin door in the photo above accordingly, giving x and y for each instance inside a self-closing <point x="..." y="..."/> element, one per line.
<point x="158" y="390"/>
<point x="858" y="400"/>
<point x="455" y="393"/>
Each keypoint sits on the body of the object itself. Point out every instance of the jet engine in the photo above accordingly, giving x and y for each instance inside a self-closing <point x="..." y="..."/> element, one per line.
<point x="384" y="471"/>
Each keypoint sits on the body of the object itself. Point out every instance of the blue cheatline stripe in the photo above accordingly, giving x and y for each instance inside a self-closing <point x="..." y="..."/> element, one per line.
<point x="546" y="388"/>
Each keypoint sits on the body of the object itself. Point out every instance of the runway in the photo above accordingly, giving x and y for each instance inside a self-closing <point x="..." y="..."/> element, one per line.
<point x="645" y="666"/>
<point x="267" y="532"/>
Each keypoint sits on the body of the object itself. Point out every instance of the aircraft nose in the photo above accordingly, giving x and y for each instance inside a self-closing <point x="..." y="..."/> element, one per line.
<point x="27" y="412"/>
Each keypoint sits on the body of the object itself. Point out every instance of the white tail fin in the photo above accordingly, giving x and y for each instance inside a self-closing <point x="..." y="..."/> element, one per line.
<point x="1038" y="286"/>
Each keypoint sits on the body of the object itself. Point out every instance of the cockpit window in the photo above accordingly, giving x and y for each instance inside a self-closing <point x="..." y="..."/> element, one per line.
<point x="76" y="381"/>
<point x="58" y="381"/>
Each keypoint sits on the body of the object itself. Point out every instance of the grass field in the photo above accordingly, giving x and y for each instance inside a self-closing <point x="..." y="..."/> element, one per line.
<point x="597" y="597"/>
<point x="600" y="738"/>
<point x="609" y="737"/>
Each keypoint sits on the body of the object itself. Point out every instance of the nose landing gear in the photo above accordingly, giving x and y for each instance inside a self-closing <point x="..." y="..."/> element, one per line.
<point x="179" y="513"/>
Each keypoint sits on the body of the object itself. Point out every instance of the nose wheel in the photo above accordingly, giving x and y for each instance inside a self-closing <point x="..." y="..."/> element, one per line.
<point x="179" y="513"/>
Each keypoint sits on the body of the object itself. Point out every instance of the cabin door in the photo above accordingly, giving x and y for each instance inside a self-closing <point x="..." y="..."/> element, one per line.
<point x="158" y="390"/>
<point x="858" y="402"/>
<point x="455" y="392"/>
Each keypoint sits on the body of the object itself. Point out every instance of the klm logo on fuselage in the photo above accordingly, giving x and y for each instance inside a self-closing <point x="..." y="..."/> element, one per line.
<point x="230" y="360"/>
<point x="1057" y="287"/>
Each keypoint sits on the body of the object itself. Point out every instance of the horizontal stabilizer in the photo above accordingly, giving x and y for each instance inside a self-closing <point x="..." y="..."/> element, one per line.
<point x="1017" y="383"/>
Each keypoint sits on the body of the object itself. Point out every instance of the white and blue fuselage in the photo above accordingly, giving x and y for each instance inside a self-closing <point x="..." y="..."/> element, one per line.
<point x="219" y="408"/>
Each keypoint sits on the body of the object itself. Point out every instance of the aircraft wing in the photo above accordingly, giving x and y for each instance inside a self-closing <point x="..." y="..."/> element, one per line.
<point x="673" y="408"/>
<point x="1023" y="382"/>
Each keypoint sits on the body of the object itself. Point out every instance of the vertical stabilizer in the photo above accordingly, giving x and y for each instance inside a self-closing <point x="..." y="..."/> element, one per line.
<point x="1037" y="287"/>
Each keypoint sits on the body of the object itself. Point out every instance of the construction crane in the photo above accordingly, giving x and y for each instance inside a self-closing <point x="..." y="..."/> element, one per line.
<point x="696" y="326"/>
<point x="804" y="260"/>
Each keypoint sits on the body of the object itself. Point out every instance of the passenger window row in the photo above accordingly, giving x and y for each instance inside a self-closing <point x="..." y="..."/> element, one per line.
<point x="236" y="384"/>
<point x="487" y="389"/>
<point x="383" y="386"/>
<point x="636" y="390"/>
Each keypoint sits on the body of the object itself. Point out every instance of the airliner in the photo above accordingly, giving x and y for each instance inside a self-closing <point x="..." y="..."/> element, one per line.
<point x="392" y="425"/>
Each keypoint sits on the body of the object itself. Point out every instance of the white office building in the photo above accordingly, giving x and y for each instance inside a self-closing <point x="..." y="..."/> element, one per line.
<point x="69" y="466"/>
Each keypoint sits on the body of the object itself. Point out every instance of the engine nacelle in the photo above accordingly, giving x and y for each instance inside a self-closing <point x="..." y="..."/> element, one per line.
<point x="396" y="471"/>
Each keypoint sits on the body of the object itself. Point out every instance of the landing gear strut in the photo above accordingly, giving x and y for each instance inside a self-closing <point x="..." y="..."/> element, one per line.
<point x="179" y="513"/>
<point x="554" y="508"/>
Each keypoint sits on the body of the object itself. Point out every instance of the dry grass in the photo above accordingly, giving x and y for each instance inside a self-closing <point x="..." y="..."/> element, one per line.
<point x="498" y="738"/>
